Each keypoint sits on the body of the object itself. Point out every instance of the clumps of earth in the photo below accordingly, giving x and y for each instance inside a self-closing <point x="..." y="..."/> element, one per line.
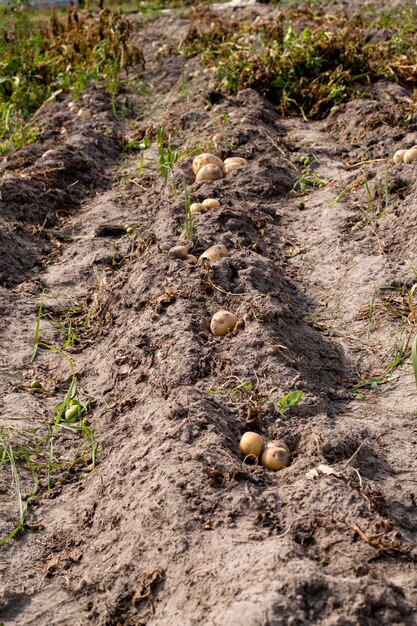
<point x="186" y="353"/>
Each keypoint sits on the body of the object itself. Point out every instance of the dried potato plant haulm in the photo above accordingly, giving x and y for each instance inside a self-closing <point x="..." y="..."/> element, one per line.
<point x="46" y="57"/>
<point x="162" y="531"/>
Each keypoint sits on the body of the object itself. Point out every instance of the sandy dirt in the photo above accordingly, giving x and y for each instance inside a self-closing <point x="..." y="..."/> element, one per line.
<point x="172" y="527"/>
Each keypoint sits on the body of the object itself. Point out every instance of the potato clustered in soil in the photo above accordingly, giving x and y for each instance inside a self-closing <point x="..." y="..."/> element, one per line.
<point x="405" y="155"/>
<point x="275" y="455"/>
<point x="210" y="167"/>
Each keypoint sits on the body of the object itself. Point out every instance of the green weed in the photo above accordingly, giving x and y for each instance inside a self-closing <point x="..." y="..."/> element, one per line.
<point x="287" y="401"/>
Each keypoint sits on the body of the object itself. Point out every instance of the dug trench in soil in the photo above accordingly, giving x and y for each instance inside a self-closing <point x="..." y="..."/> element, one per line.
<point x="172" y="527"/>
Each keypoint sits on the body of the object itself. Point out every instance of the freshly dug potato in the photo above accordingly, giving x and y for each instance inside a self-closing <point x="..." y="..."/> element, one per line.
<point x="204" y="159"/>
<point x="191" y="258"/>
<point x="84" y="113"/>
<point x="398" y="156"/>
<point x="410" y="155"/>
<point x="209" y="172"/>
<point x="197" y="207"/>
<point x="275" y="456"/>
<point x="179" y="252"/>
<point x="234" y="163"/>
<point x="243" y="162"/>
<point x="215" y="253"/>
<point x="222" y="322"/>
<point x="251" y="444"/>
<point x="211" y="203"/>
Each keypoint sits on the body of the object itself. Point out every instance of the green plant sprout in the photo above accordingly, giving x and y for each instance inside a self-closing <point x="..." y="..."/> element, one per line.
<point x="286" y="402"/>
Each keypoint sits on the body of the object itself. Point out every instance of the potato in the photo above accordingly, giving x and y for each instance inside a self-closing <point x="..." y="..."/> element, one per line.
<point x="84" y="113"/>
<point x="191" y="258"/>
<point x="398" y="156"/>
<point x="410" y="155"/>
<point x="234" y="163"/>
<point x="242" y="161"/>
<point x="222" y="322"/>
<point x="179" y="252"/>
<point x="215" y="253"/>
<point x="204" y="159"/>
<point x="211" y="203"/>
<point x="251" y="444"/>
<point x="275" y="456"/>
<point x="197" y="207"/>
<point x="209" y="172"/>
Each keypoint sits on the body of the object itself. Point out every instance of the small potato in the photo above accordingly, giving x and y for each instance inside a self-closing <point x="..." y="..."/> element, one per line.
<point x="191" y="258"/>
<point x="251" y="444"/>
<point x="215" y="253"/>
<point x="204" y="159"/>
<point x="398" y="156"/>
<point x="410" y="155"/>
<point x="222" y="322"/>
<point x="197" y="207"/>
<point x="209" y="172"/>
<point x="178" y="252"/>
<point x="234" y="163"/>
<point x="243" y="162"/>
<point x="275" y="456"/>
<point x="84" y="113"/>
<point x="211" y="203"/>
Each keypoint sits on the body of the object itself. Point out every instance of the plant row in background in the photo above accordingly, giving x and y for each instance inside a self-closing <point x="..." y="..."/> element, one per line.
<point x="41" y="57"/>
<point x="306" y="61"/>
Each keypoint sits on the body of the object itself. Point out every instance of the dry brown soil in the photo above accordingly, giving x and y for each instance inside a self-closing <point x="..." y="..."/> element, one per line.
<point x="171" y="527"/>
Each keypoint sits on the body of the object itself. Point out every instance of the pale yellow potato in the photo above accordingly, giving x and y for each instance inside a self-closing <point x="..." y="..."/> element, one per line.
<point x="179" y="252"/>
<point x="275" y="456"/>
<point x="197" y="207"/>
<point x="222" y="322"/>
<point x="204" y="159"/>
<point x="84" y="113"/>
<point x="211" y="203"/>
<point x="410" y="155"/>
<point x="214" y="253"/>
<point x="398" y="156"/>
<point x="209" y="172"/>
<point x="234" y="163"/>
<point x="243" y="162"/>
<point x="191" y="258"/>
<point x="251" y="444"/>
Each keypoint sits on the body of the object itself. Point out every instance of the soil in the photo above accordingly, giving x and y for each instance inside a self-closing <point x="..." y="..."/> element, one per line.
<point x="171" y="526"/>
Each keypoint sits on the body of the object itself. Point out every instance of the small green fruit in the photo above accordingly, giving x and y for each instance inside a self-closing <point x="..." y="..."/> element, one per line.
<point x="73" y="414"/>
<point x="129" y="230"/>
<point x="35" y="384"/>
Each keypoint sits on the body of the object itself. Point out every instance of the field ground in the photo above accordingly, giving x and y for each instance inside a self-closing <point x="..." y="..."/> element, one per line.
<point x="145" y="512"/>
